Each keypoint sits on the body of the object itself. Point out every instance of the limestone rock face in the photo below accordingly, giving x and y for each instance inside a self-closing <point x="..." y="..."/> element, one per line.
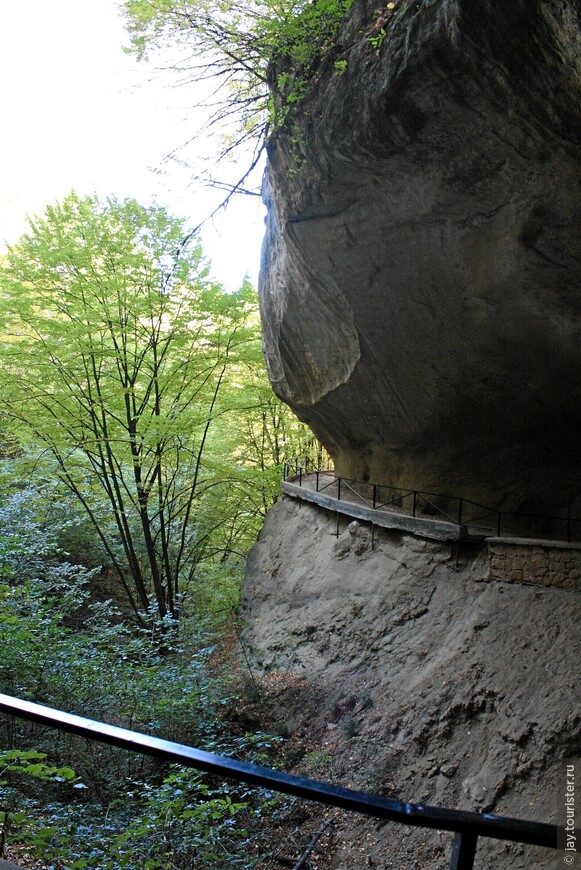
<point x="420" y="281"/>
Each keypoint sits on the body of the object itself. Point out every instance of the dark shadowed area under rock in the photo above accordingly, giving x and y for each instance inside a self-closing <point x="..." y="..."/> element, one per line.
<point x="421" y="268"/>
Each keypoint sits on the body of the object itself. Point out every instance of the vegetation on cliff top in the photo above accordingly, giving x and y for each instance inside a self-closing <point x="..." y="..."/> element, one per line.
<point x="253" y="59"/>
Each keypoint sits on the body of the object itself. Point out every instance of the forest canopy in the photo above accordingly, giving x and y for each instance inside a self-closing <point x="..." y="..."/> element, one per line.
<point x="140" y="448"/>
<point x="125" y="367"/>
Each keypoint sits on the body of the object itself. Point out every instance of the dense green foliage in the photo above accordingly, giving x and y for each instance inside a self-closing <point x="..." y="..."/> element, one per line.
<point x="142" y="381"/>
<point x="59" y="648"/>
<point x="141" y="448"/>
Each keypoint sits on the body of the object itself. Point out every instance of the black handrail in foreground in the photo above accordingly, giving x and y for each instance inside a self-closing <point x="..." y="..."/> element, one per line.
<point x="467" y="826"/>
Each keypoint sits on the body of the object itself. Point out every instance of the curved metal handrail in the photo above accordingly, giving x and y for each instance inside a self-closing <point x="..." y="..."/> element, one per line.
<point x="466" y="825"/>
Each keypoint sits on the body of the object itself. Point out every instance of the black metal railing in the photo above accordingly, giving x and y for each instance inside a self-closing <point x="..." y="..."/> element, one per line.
<point x="462" y="512"/>
<point x="466" y="826"/>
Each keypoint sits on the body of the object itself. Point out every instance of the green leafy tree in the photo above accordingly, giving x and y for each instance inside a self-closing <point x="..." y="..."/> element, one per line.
<point x="117" y="349"/>
<point x="253" y="60"/>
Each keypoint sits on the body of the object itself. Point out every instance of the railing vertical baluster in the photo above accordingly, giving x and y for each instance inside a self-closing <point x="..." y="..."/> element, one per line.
<point x="415" y="503"/>
<point x="317" y="488"/>
<point x="463" y="851"/>
<point x="301" y="476"/>
<point x="374" y="495"/>
<point x="338" y="489"/>
<point x="459" y="511"/>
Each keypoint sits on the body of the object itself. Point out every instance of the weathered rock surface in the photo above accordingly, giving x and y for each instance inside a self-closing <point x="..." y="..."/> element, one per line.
<point x="420" y="283"/>
<point x="421" y="679"/>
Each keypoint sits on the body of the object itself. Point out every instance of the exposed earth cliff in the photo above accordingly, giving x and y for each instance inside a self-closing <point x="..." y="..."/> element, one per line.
<point x="421" y="269"/>
<point x="406" y="672"/>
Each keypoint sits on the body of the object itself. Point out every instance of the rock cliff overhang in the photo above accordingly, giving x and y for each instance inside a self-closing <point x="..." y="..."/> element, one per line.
<point x="420" y="281"/>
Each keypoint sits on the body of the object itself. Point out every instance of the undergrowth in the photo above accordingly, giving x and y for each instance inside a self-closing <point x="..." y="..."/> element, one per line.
<point x="77" y="804"/>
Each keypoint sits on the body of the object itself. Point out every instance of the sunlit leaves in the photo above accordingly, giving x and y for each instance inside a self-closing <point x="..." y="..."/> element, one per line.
<point x="117" y="349"/>
<point x="237" y="46"/>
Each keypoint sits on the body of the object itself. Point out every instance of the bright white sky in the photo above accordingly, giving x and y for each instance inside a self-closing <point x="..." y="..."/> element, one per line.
<point x="77" y="113"/>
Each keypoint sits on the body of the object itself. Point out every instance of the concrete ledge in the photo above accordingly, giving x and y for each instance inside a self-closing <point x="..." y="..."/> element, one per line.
<point x="528" y="561"/>
<point x="438" y="530"/>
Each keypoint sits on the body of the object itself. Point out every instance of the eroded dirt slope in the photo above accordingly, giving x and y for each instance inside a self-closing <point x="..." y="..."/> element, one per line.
<point x="413" y="676"/>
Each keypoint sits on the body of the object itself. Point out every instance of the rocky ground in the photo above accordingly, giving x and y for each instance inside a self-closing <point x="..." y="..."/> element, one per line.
<point x="393" y="665"/>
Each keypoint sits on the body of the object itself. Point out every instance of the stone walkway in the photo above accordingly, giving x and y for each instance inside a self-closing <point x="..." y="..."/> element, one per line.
<point x="322" y="488"/>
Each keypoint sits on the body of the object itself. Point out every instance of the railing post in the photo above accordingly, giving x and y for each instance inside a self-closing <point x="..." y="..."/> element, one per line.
<point x="469" y="519"/>
<point x="463" y="852"/>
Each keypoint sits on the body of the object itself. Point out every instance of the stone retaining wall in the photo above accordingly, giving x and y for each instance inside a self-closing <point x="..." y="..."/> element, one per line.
<point x="540" y="563"/>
